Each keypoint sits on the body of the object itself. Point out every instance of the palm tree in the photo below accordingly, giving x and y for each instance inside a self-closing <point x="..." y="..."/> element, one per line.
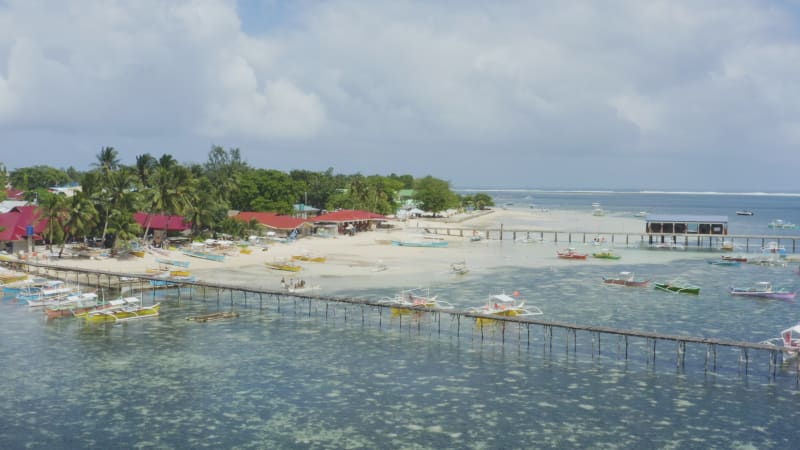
<point x="81" y="217"/>
<point x="55" y="211"/>
<point x="107" y="160"/>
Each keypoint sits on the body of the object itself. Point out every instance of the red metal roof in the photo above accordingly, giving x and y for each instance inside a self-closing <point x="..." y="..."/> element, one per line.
<point x="15" y="221"/>
<point x="15" y="194"/>
<point x="348" y="215"/>
<point x="272" y="220"/>
<point x="160" y="222"/>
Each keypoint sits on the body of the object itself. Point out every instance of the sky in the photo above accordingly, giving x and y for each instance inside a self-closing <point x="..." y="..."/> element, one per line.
<point x="617" y="94"/>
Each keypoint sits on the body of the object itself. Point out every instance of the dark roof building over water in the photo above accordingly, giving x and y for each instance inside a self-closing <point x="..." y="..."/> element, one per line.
<point x="686" y="224"/>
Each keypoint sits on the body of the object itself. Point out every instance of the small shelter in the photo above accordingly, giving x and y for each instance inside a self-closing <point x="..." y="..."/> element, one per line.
<point x="683" y="224"/>
<point x="162" y="222"/>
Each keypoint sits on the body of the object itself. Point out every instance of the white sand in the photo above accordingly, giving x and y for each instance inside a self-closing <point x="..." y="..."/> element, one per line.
<point x="352" y="261"/>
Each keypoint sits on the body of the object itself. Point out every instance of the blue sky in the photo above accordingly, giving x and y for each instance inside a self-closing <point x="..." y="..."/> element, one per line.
<point x="679" y="95"/>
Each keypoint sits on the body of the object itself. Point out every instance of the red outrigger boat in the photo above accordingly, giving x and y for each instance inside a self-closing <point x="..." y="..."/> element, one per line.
<point x="735" y="258"/>
<point x="571" y="253"/>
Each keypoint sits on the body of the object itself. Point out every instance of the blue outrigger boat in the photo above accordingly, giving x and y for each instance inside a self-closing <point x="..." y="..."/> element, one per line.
<point x="204" y="255"/>
<point x="420" y="244"/>
<point x="173" y="262"/>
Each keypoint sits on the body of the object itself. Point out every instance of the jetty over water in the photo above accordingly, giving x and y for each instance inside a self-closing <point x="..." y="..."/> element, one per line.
<point x="576" y="340"/>
<point x="746" y="242"/>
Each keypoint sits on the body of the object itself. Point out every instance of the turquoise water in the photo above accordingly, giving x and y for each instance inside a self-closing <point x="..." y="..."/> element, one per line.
<point x="294" y="376"/>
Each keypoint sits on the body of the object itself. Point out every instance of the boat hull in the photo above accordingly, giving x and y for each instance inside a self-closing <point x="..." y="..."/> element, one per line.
<point x="768" y="295"/>
<point x="692" y="290"/>
<point x="628" y="283"/>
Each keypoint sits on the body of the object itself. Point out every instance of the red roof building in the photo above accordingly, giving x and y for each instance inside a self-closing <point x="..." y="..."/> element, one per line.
<point x="162" y="222"/>
<point x="275" y="221"/>
<point x="13" y="226"/>
<point x="348" y="215"/>
<point x="15" y="194"/>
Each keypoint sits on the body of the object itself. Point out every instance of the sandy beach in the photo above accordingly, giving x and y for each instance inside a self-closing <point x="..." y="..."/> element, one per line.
<point x="366" y="260"/>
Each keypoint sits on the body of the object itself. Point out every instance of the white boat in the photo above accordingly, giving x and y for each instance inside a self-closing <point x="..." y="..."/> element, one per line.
<point x="418" y="297"/>
<point x="55" y="290"/>
<point x="507" y="306"/>
<point x="598" y="212"/>
<point x="744" y="212"/>
<point x="789" y="342"/>
<point x="459" y="268"/>
<point x="640" y="214"/>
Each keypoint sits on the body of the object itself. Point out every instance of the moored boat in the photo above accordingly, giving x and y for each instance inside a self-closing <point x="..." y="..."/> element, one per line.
<point x="173" y="262"/>
<point x="788" y="342"/>
<point x="411" y="298"/>
<point x="111" y="305"/>
<point x="780" y="224"/>
<point x="506" y="305"/>
<point x="606" y="254"/>
<point x="306" y="258"/>
<point x="54" y="290"/>
<point x="738" y="258"/>
<point x="677" y="288"/>
<point x="570" y="253"/>
<point x="123" y="314"/>
<point x="459" y="268"/>
<point x="744" y="212"/>
<point x="724" y="262"/>
<point x="764" y="289"/>
<point x="214" y="316"/>
<point x="72" y="304"/>
<point x="420" y="244"/>
<point x="626" y="279"/>
<point x="287" y="266"/>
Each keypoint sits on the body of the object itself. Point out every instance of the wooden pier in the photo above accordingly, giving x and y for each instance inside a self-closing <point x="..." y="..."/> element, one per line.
<point x="619" y="344"/>
<point x="748" y="243"/>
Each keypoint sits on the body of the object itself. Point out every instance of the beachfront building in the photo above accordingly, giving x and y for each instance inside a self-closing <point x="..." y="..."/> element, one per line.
<point x="17" y="224"/>
<point x="683" y="225"/>
<point x="162" y="225"/>
<point x="348" y="221"/>
<point x="279" y="224"/>
<point x="303" y="211"/>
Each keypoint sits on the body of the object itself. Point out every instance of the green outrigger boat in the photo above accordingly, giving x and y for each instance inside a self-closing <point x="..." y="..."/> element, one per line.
<point x="677" y="288"/>
<point x="606" y="254"/>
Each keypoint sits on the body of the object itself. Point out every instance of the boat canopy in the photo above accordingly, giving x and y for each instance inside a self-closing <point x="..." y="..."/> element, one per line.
<point x="503" y="298"/>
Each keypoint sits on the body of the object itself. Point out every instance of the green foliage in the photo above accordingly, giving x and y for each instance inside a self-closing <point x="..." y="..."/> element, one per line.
<point x="3" y="181"/>
<point x="478" y="201"/>
<point x="29" y="178"/>
<point x="434" y="194"/>
<point x="266" y="190"/>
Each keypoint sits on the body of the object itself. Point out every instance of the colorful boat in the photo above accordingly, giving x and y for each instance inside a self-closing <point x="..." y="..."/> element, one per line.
<point x="111" y="305"/>
<point x="179" y="273"/>
<point x="411" y="298"/>
<point x="677" y="288"/>
<point x="204" y="255"/>
<point x="420" y="244"/>
<point x="507" y="306"/>
<point x="626" y="279"/>
<point x="168" y="281"/>
<point x="123" y="314"/>
<point x="738" y="258"/>
<point x="724" y="262"/>
<point x="137" y="253"/>
<point x="764" y="289"/>
<point x="289" y="267"/>
<point x="72" y="304"/>
<point x="173" y="262"/>
<point x="570" y="253"/>
<point x="306" y="258"/>
<point x="606" y="254"/>
<point x="789" y="342"/>
<point x="53" y="291"/>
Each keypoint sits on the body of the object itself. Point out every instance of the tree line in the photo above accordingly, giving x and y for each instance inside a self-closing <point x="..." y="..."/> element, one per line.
<point x="112" y="192"/>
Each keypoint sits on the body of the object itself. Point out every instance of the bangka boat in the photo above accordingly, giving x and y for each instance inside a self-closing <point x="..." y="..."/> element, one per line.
<point x="316" y="259"/>
<point x="53" y="291"/>
<point x="626" y="279"/>
<point x="204" y="255"/>
<point x="173" y="262"/>
<point x="764" y="289"/>
<point x="724" y="262"/>
<point x="415" y="298"/>
<point x="744" y="212"/>
<point x="420" y="244"/>
<point x="179" y="273"/>
<point x="606" y="254"/>
<point x="506" y="305"/>
<point x="789" y="342"/>
<point x="124" y="314"/>
<point x="287" y="266"/>
<point x="297" y="286"/>
<point x="782" y="225"/>
<point x="774" y="247"/>
<point x="570" y="253"/>
<point x="677" y="288"/>
<point x="71" y="305"/>
<point x="738" y="258"/>
<point x="137" y="253"/>
<point x="111" y="305"/>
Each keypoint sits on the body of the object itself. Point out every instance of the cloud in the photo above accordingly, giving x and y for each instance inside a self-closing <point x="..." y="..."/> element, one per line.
<point x="401" y="86"/>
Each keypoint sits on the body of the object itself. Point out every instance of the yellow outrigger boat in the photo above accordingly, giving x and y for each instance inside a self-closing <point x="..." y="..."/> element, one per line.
<point x="179" y="273"/>
<point x="283" y="266"/>
<point x="123" y="314"/>
<point x="317" y="259"/>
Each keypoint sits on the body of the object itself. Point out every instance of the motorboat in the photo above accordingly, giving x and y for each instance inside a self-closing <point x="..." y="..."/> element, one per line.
<point x="744" y="212"/>
<point x="780" y="224"/>
<point x="764" y="289"/>
<point x="606" y="254"/>
<point x="459" y="268"/>
<point x="626" y="279"/>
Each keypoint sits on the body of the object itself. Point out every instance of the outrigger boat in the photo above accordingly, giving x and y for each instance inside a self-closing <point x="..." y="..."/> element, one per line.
<point x="570" y="253"/>
<point x="418" y="297"/>
<point x="606" y="254"/>
<point x="420" y="244"/>
<point x="287" y="266"/>
<point x="53" y="291"/>
<point x="738" y="258"/>
<point x="626" y="279"/>
<point x="316" y="259"/>
<point x="724" y="262"/>
<point x="71" y="305"/>
<point x="506" y="305"/>
<point x="459" y="268"/>
<point x="173" y="262"/>
<point x="789" y="342"/>
<point x="782" y="225"/>
<point x="764" y="289"/>
<point x="112" y="305"/>
<point x="124" y="313"/>
<point x="677" y="288"/>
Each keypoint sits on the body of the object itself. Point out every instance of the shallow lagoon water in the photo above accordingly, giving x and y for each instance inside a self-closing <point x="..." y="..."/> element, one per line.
<point x="288" y="379"/>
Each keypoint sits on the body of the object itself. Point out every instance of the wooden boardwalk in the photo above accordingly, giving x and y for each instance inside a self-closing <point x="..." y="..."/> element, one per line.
<point x="99" y="278"/>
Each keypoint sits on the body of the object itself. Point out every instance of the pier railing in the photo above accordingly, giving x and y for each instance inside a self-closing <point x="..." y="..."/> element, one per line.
<point x="747" y="243"/>
<point x="460" y="323"/>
